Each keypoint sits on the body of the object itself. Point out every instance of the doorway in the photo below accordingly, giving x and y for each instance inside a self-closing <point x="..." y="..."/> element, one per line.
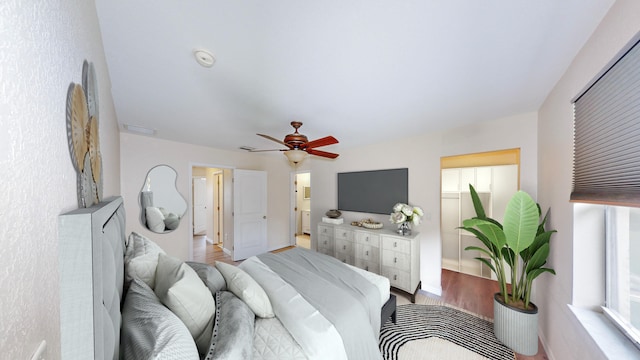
<point x="302" y="209"/>
<point x="495" y="177"/>
<point x="210" y="211"/>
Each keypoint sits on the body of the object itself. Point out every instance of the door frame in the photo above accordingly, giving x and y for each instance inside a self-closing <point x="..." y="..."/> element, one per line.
<point x="293" y="216"/>
<point x="191" y="166"/>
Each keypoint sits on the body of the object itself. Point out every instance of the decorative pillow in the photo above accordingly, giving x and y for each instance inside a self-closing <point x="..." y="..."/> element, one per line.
<point x="171" y="221"/>
<point x="155" y="220"/>
<point x="150" y="330"/>
<point x="141" y="259"/>
<point x="233" y="331"/>
<point x="164" y="212"/>
<point x="180" y="289"/>
<point x="247" y="289"/>
<point x="209" y="275"/>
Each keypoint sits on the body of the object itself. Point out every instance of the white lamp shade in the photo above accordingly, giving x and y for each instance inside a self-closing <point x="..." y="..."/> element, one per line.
<point x="295" y="156"/>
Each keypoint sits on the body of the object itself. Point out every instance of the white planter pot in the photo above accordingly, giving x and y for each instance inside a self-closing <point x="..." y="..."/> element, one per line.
<point x="516" y="328"/>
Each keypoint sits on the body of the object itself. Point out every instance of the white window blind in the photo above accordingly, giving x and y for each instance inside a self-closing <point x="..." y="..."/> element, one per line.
<point x="606" y="153"/>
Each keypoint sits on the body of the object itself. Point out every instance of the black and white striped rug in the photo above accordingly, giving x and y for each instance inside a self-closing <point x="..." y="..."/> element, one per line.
<point x="440" y="332"/>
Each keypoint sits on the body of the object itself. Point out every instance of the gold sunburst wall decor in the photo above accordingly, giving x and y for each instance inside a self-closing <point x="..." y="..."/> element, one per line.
<point x="83" y="136"/>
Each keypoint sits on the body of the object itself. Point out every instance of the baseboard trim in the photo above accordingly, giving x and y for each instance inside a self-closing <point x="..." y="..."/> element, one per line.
<point x="430" y="289"/>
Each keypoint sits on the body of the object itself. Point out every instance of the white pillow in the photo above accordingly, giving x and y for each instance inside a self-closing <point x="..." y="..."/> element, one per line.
<point x="141" y="259"/>
<point x="180" y="289"/>
<point x="155" y="219"/>
<point x="247" y="289"/>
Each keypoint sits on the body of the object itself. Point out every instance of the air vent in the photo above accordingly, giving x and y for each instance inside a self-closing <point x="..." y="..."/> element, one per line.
<point x="140" y="130"/>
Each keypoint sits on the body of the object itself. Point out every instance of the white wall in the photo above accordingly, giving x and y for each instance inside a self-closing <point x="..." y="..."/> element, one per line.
<point x="572" y="259"/>
<point x="42" y="47"/>
<point x="421" y="154"/>
<point x="141" y="153"/>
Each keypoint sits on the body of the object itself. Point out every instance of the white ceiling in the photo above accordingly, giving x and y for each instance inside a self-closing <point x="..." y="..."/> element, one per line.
<point x="360" y="70"/>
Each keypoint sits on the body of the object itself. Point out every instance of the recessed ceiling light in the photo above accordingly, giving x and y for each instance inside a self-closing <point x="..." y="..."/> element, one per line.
<point x="204" y="58"/>
<point x="139" y="129"/>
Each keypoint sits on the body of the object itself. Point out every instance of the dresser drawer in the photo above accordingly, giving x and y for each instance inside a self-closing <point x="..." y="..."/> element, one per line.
<point x="344" y="257"/>
<point x="396" y="260"/>
<point x="396" y="244"/>
<point x="325" y="230"/>
<point x="368" y="253"/>
<point x="372" y="266"/>
<point x="345" y="246"/>
<point x="366" y="238"/>
<point x="398" y="278"/>
<point x="343" y="234"/>
<point x="325" y="242"/>
<point x="325" y="251"/>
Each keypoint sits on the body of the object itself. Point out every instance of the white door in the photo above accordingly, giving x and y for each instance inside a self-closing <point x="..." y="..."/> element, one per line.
<point x="199" y="205"/>
<point x="250" y="213"/>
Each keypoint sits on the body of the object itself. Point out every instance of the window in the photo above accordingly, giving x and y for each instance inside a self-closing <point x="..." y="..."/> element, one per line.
<point x="623" y="269"/>
<point x="606" y="170"/>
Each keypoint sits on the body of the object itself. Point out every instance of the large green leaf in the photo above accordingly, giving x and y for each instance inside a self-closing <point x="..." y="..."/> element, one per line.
<point x="541" y="239"/>
<point x="482" y="250"/>
<point x="489" y="229"/>
<point x="538" y="259"/>
<point x="509" y="256"/>
<point x="520" y="221"/>
<point x="537" y="272"/>
<point x="477" y="204"/>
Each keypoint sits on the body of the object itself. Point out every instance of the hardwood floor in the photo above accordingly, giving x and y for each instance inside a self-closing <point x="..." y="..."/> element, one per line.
<point x="468" y="292"/>
<point x="205" y="252"/>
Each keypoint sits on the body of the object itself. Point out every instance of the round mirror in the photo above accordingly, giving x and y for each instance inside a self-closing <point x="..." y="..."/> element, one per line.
<point x="161" y="205"/>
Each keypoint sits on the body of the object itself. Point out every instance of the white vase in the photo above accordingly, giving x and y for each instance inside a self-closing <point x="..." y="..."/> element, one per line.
<point x="516" y="328"/>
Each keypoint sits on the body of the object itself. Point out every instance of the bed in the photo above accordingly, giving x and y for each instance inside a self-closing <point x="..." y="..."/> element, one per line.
<point x="296" y="304"/>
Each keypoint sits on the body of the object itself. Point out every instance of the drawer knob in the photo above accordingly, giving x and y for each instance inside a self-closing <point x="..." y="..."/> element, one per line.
<point x="344" y="247"/>
<point x="366" y="267"/>
<point x="367" y="253"/>
<point x="395" y="277"/>
<point x="395" y="260"/>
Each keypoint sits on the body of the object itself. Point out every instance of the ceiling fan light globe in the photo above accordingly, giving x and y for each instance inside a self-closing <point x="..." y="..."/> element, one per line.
<point x="295" y="156"/>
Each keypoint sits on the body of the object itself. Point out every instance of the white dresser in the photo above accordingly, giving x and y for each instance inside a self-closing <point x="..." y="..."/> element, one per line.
<point x="382" y="251"/>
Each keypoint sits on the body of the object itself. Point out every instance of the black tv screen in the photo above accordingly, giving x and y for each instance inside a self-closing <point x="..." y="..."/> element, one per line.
<point x="373" y="191"/>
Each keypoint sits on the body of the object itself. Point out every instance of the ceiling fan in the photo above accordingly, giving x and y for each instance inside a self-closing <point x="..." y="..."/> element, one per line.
<point x="298" y="145"/>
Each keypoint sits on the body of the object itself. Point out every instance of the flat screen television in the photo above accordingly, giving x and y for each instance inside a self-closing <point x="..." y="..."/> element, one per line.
<point x="373" y="191"/>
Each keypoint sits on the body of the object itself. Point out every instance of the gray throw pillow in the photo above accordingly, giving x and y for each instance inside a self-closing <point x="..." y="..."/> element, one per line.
<point x="150" y="330"/>
<point x="209" y="275"/>
<point x="233" y="329"/>
<point x="171" y="221"/>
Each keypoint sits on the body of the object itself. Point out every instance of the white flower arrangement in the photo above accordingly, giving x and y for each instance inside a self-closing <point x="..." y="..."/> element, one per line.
<point x="406" y="213"/>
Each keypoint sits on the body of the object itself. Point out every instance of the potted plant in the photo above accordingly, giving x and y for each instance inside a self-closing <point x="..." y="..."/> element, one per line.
<point x="518" y="249"/>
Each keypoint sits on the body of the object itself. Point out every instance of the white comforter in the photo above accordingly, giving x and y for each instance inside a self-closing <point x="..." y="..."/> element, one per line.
<point x="312" y="335"/>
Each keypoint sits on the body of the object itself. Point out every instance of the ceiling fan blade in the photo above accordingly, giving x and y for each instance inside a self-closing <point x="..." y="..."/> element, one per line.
<point x="322" y="153"/>
<point x="327" y="140"/>
<point x="268" y="150"/>
<point x="274" y="139"/>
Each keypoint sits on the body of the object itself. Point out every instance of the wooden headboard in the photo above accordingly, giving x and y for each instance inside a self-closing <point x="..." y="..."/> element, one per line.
<point x="91" y="262"/>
